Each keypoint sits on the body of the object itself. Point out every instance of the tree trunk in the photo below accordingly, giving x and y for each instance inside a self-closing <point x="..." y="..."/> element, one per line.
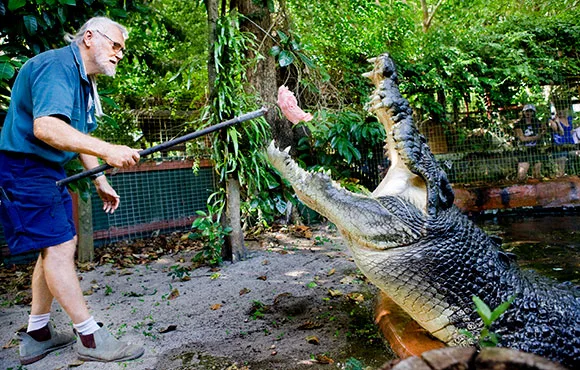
<point x="212" y="16"/>
<point x="235" y="250"/>
<point x="263" y="78"/>
<point x="86" y="247"/>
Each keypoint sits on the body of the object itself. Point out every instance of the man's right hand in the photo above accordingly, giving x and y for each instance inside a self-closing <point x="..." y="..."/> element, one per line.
<point x="121" y="156"/>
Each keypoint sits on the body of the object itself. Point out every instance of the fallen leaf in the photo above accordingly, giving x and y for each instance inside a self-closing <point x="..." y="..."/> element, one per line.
<point x="168" y="329"/>
<point x="265" y="262"/>
<point x="245" y="291"/>
<point x="331" y="272"/>
<point x="174" y="294"/>
<point x="347" y="280"/>
<point x="75" y="363"/>
<point x="309" y="325"/>
<point x="323" y="359"/>
<point x="263" y="277"/>
<point x="335" y="292"/>
<point x="313" y="339"/>
<point x="357" y="297"/>
<point x="11" y="343"/>
<point x="87" y="266"/>
<point x="88" y="292"/>
<point x="216" y="306"/>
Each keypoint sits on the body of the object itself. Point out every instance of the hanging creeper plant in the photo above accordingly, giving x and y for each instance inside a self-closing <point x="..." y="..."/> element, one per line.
<point x="239" y="150"/>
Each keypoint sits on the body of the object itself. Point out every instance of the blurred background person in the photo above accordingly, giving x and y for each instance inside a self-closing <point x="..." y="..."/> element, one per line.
<point x="561" y="125"/>
<point x="528" y="130"/>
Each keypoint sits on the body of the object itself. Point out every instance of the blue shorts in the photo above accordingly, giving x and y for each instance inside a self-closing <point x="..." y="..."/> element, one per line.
<point x="34" y="212"/>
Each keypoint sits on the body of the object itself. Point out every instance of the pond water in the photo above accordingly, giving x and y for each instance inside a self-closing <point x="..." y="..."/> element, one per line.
<point x="548" y="243"/>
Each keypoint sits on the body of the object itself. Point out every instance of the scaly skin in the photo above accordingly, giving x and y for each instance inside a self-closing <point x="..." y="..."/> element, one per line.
<point x="409" y="239"/>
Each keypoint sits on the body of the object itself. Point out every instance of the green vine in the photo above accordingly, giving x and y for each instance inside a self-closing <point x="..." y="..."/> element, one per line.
<point x="237" y="152"/>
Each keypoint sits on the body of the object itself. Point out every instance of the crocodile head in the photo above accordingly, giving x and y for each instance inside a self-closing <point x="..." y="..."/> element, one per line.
<point x="412" y="243"/>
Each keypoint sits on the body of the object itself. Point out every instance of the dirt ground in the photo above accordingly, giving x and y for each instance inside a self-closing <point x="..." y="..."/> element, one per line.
<point x="297" y="302"/>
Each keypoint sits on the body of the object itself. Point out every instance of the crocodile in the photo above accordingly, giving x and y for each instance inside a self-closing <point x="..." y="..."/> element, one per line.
<point x="410" y="240"/>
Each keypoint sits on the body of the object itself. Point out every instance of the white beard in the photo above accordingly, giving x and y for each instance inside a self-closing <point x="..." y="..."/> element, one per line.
<point x="104" y="64"/>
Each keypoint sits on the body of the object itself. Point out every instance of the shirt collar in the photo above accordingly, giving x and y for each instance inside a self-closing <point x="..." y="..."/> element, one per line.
<point x="79" y="60"/>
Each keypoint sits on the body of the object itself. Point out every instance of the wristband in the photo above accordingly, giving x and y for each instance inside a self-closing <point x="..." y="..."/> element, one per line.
<point x="97" y="175"/>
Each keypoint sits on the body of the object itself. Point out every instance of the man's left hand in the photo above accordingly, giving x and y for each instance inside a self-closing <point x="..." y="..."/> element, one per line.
<point x="109" y="196"/>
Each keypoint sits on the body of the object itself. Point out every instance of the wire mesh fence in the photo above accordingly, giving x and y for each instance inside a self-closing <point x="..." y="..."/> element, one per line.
<point x="495" y="147"/>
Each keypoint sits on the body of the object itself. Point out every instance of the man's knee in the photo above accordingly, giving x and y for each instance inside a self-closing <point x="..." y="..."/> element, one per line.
<point x="64" y="251"/>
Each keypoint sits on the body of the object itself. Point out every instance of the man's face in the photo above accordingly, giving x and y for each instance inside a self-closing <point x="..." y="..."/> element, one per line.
<point x="109" y="50"/>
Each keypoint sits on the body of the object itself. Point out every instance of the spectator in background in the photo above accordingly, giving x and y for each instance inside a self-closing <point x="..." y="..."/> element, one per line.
<point x="529" y="131"/>
<point x="562" y="128"/>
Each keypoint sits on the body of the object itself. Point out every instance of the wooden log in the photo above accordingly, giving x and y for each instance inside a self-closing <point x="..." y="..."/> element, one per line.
<point x="86" y="246"/>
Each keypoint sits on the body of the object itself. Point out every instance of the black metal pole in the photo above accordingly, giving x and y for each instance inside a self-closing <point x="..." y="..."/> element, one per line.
<point x="170" y="143"/>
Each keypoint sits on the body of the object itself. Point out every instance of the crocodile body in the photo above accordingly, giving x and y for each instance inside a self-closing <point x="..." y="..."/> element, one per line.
<point x="409" y="240"/>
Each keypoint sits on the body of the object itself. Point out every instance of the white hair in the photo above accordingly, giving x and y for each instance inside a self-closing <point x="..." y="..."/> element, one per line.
<point x="95" y="24"/>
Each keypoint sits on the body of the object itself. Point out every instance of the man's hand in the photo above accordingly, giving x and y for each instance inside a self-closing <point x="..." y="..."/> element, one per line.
<point x="121" y="156"/>
<point x="109" y="196"/>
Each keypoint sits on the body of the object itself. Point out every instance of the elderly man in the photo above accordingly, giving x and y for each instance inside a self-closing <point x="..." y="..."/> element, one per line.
<point x="52" y="111"/>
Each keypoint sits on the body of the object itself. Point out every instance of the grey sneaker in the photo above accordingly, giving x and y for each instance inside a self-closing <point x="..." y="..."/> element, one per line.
<point x="102" y="346"/>
<point x="32" y="350"/>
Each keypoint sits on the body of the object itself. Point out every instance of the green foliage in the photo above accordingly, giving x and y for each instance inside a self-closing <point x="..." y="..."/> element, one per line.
<point x="488" y="338"/>
<point x="257" y="310"/>
<point x="469" y="59"/>
<point x="179" y="272"/>
<point x="344" y="34"/>
<point x="82" y="186"/>
<point x="339" y="139"/>
<point x="30" y="27"/>
<point x="290" y="50"/>
<point x="209" y="229"/>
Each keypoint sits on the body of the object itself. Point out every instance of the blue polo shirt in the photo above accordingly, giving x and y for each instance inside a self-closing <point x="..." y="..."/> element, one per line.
<point x="53" y="83"/>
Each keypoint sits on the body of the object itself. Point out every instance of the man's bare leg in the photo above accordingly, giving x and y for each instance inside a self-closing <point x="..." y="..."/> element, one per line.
<point x="41" y="295"/>
<point x="61" y="279"/>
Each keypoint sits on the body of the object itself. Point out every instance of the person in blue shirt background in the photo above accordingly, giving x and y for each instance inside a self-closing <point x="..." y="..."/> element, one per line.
<point x="52" y="112"/>
<point x="562" y="128"/>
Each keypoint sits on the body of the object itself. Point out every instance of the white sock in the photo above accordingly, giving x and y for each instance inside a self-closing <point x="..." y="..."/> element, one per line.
<point x="87" y="327"/>
<point x="36" y="322"/>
